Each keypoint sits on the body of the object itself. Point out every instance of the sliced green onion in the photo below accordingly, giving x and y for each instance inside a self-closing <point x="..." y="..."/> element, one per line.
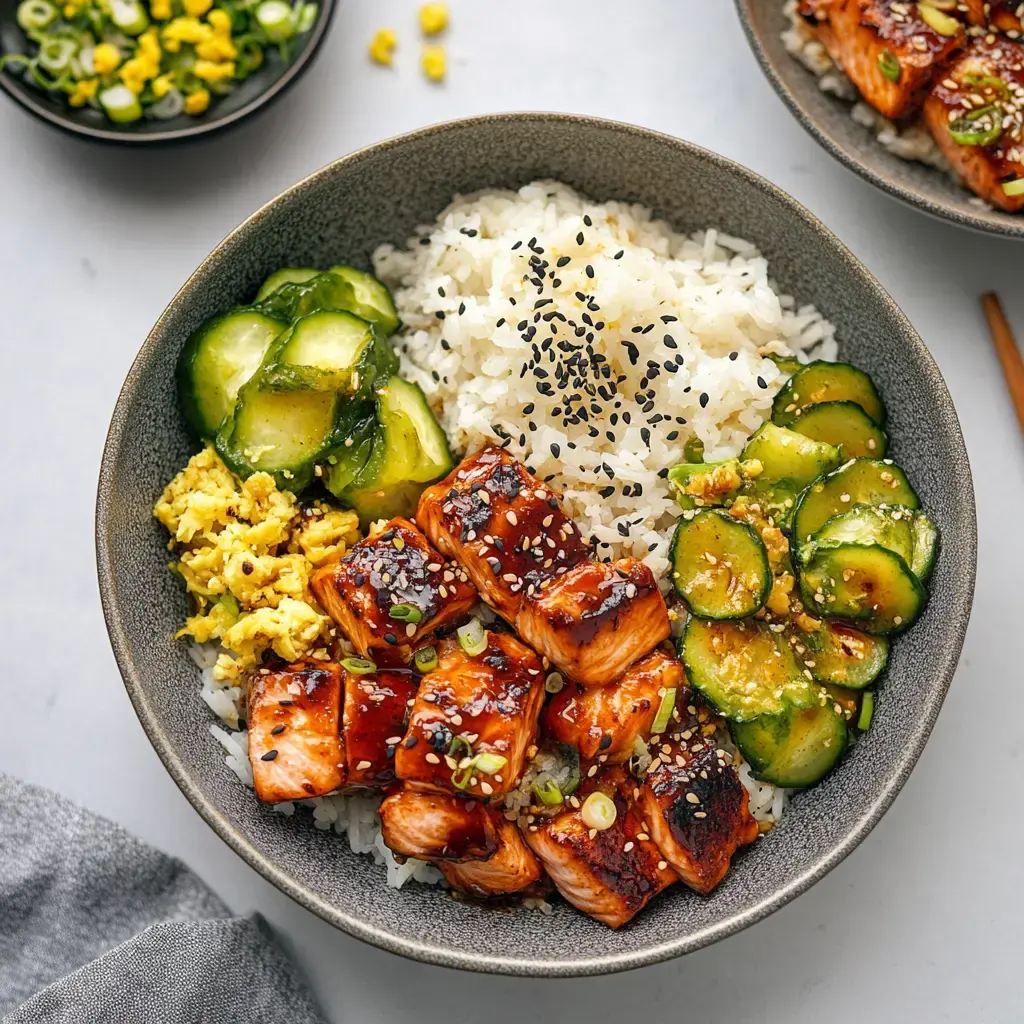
<point x="997" y="85"/>
<point x="55" y="55"/>
<point x="230" y="605"/>
<point x="693" y="450"/>
<point x="129" y="16"/>
<point x="489" y="764"/>
<point x="35" y="14"/>
<point x="598" y="812"/>
<point x="461" y="776"/>
<point x="889" y="65"/>
<point x="457" y="743"/>
<point x="664" y="715"/>
<point x="548" y="793"/>
<point x="425" y="659"/>
<point x="121" y="104"/>
<point x="1014" y="188"/>
<point x="944" y="24"/>
<point x="966" y="131"/>
<point x="306" y="18"/>
<point x="359" y="666"/>
<point x="867" y="711"/>
<point x="473" y="637"/>
<point x="405" y="613"/>
<point x="275" y="18"/>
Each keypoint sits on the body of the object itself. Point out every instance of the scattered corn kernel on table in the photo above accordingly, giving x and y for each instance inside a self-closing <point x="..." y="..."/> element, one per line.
<point x="97" y="240"/>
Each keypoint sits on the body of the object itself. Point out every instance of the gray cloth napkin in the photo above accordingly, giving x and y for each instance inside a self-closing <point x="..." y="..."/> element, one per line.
<point x="96" y="927"/>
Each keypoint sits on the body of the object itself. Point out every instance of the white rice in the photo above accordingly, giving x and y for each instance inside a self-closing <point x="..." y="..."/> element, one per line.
<point x="909" y="141"/>
<point x="472" y="265"/>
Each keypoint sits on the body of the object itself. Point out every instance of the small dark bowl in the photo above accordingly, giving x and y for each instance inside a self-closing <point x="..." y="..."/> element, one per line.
<point x="380" y="195"/>
<point x="828" y="119"/>
<point x="255" y="92"/>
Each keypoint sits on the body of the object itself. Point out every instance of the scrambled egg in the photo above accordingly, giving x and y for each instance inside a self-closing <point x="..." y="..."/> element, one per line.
<point x="433" y="18"/>
<point x="435" y="64"/>
<point x="382" y="47"/>
<point x="246" y="552"/>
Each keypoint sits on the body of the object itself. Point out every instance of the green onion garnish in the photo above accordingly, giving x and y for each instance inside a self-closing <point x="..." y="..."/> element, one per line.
<point x="55" y="55"/>
<point x="34" y="15"/>
<point x="359" y="666"/>
<point x="457" y="743"/>
<point x="980" y="127"/>
<point x="425" y="660"/>
<point x="307" y="15"/>
<point x="988" y="82"/>
<point x="462" y="776"/>
<point x="1014" y="188"/>
<point x="129" y="16"/>
<point x="548" y="793"/>
<point x="693" y="450"/>
<point x="889" y="65"/>
<point x="867" y="711"/>
<point x="473" y="637"/>
<point x="664" y="715"/>
<point x="276" y="20"/>
<point x="405" y="613"/>
<point x="120" y="103"/>
<point x="598" y="812"/>
<point x="489" y="764"/>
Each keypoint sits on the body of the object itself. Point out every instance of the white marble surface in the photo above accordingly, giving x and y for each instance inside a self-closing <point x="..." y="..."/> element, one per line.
<point x="921" y="923"/>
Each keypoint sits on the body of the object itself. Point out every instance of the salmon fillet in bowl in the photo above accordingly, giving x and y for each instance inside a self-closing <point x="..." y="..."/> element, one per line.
<point x="467" y="658"/>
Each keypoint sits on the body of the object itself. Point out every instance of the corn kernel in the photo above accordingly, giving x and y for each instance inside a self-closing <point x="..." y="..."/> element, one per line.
<point x="105" y="58"/>
<point x="220" y="21"/>
<point x="435" y="63"/>
<point x="84" y="91"/>
<point x="382" y="47"/>
<point x="196" y="8"/>
<point x="197" y="102"/>
<point x="160" y="10"/>
<point x="433" y="18"/>
<point x="211" y="71"/>
<point x="163" y="85"/>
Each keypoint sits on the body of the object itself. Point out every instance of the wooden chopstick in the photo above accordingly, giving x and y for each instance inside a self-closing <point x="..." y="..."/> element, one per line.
<point x="1007" y="350"/>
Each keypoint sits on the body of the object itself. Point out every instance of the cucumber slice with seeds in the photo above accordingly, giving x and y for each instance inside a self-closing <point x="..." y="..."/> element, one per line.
<point x="795" y="749"/>
<point x="844" y="656"/>
<point x="821" y="382"/>
<point x="861" y="481"/>
<point x="720" y="566"/>
<point x="866" y="583"/>
<point x="846" y="426"/>
<point x="743" y="668"/>
<point x="789" y="462"/>
<point x="217" y="360"/>
<point x="298" y="299"/>
<point x="700" y="484"/>
<point x="373" y="301"/>
<point x="286" y="275"/>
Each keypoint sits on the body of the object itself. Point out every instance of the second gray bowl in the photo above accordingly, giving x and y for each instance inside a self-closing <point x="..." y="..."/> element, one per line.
<point x="381" y="194"/>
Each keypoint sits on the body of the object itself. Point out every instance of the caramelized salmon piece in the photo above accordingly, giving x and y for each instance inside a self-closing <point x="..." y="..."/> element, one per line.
<point x="693" y="801"/>
<point x="295" y="746"/>
<point x="472" y="706"/>
<point x="511" y="868"/>
<point x="437" y="826"/>
<point x="374" y="719"/>
<point x="611" y="874"/>
<point x="983" y="88"/>
<point x="397" y="567"/>
<point x="887" y="50"/>
<point x="995" y="15"/>
<point x="594" y="621"/>
<point x="505" y="528"/>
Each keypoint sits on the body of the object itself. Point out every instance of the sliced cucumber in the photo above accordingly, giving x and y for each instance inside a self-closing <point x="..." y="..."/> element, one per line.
<point x="819" y="382"/>
<point x="700" y="484"/>
<point x="278" y="432"/>
<point x="867" y="712"/>
<point x="845" y="425"/>
<point x="787" y="364"/>
<point x="864" y="582"/>
<point x="909" y="533"/>
<point x="861" y="481"/>
<point x="324" y="351"/>
<point x="286" y="275"/>
<point x="844" y="656"/>
<point x="795" y="749"/>
<point x="373" y="301"/>
<point x="409" y="451"/>
<point x="743" y="668"/>
<point x="720" y="566"/>
<point x="217" y="360"/>
<point x="325" y="291"/>
<point x="789" y="462"/>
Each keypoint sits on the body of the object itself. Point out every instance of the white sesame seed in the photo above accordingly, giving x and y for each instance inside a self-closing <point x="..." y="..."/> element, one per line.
<point x="432" y="758"/>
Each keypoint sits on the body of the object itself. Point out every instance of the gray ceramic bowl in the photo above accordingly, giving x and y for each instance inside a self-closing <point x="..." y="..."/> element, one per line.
<point x="380" y="195"/>
<point x="828" y="119"/>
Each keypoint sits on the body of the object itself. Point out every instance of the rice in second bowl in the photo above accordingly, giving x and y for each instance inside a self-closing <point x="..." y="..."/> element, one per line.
<point x="593" y="341"/>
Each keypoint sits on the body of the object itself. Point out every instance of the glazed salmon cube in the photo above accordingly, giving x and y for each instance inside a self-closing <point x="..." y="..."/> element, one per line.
<point x="295" y="745"/>
<point x="693" y="801"/>
<point x="595" y="620"/>
<point x="510" y="869"/>
<point x="887" y="50"/>
<point x="437" y="826"/>
<point x="610" y="874"/>
<point x="1000" y="16"/>
<point x="469" y="707"/>
<point x="394" y="569"/>
<point x="607" y="721"/>
<point x="983" y="89"/>
<point x="376" y="711"/>
<point x="503" y="526"/>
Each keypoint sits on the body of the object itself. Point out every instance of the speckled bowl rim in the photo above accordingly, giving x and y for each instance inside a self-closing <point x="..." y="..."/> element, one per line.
<point x="999" y="223"/>
<point x="204" y="126"/>
<point x="959" y="606"/>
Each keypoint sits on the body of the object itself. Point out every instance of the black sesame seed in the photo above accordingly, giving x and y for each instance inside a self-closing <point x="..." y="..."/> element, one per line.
<point x="625" y="418"/>
<point x="704" y="399"/>
<point x="761" y="382"/>
<point x="672" y="435"/>
<point x="579" y="238"/>
<point x="440" y="291"/>
<point x="623" y="529"/>
<point x="439" y="314"/>
<point x="619" y="254"/>
<point x="411" y="741"/>
<point x="462" y="308"/>
<point x="269" y="755"/>
<point x="277" y="730"/>
<point x="562" y="261"/>
<point x="445" y="345"/>
<point x="589" y="270"/>
<point x="500" y="322"/>
<point x="669" y="319"/>
<point x="527" y="409"/>
<point x="587" y="220"/>
<point x="648" y="407"/>
<point x="555" y="450"/>
<point x="606" y="742"/>
<point x="670" y="342"/>
<point x="645" y="436"/>
<point x="734" y="356"/>
<point x="390" y="638"/>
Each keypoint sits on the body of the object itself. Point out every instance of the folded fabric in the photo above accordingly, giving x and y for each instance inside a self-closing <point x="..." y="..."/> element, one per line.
<point x="96" y="926"/>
